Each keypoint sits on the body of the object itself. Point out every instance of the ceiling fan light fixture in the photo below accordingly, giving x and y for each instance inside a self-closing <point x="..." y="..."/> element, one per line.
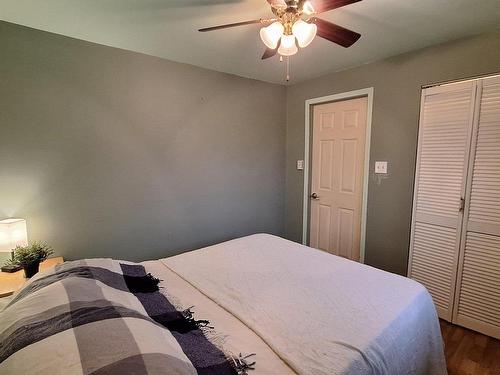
<point x="271" y="34"/>
<point x="304" y="32"/>
<point x="288" y="46"/>
<point x="308" y="8"/>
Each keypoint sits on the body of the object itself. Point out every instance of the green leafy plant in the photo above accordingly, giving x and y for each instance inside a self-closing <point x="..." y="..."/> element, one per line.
<point x="26" y="255"/>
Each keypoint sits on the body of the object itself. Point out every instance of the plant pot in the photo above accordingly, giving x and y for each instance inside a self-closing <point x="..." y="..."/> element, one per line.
<point x="31" y="269"/>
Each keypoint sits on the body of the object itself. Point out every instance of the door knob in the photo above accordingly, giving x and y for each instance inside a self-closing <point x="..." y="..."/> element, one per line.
<point x="315" y="196"/>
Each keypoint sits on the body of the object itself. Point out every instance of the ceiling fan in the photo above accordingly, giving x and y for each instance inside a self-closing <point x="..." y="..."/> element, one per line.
<point x="295" y="25"/>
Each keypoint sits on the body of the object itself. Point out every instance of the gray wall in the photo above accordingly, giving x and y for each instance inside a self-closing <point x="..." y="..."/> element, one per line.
<point x="112" y="153"/>
<point x="397" y="83"/>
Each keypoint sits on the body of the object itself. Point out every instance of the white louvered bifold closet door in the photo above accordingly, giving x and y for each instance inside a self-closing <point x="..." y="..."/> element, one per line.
<point x="477" y="303"/>
<point x="443" y="152"/>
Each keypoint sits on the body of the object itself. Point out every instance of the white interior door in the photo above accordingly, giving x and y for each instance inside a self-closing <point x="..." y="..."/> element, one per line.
<point x="443" y="154"/>
<point x="478" y="287"/>
<point x="338" y="154"/>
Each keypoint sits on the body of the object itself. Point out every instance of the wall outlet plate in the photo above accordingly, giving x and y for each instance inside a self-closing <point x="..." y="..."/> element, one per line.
<point x="300" y="165"/>
<point x="381" y="167"/>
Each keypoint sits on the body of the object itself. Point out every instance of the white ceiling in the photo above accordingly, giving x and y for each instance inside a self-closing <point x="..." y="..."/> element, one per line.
<point x="168" y="29"/>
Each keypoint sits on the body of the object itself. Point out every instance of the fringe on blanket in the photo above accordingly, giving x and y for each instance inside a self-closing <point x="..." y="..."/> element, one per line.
<point x="143" y="284"/>
<point x="241" y="363"/>
<point x="185" y="322"/>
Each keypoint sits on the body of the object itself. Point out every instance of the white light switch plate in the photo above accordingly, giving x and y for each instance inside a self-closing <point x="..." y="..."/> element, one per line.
<point x="381" y="167"/>
<point x="300" y="165"/>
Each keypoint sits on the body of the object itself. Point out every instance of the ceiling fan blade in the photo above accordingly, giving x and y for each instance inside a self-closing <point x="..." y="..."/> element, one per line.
<point x="277" y="4"/>
<point x="321" y="6"/>
<point x="269" y="52"/>
<point x="227" y="26"/>
<point x="335" y="33"/>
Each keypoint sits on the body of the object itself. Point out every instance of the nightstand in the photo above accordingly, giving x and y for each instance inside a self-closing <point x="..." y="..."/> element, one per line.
<point x="11" y="282"/>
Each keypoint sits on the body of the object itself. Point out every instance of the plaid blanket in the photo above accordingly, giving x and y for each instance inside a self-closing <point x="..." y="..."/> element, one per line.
<point x="104" y="317"/>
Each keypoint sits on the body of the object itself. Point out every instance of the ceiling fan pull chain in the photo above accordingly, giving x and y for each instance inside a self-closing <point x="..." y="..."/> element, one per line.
<point x="288" y="68"/>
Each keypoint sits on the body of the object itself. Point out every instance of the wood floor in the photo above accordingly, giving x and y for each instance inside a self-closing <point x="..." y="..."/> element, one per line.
<point x="470" y="353"/>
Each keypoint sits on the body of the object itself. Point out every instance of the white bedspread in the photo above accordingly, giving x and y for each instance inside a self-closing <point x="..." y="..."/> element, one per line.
<point x="320" y="313"/>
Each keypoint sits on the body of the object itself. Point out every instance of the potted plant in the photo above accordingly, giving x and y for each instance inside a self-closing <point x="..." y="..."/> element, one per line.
<point x="29" y="257"/>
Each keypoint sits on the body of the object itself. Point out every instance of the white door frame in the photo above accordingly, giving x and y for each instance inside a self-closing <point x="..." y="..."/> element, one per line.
<point x="368" y="92"/>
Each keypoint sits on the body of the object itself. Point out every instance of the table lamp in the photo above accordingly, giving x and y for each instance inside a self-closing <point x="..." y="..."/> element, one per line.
<point x="13" y="233"/>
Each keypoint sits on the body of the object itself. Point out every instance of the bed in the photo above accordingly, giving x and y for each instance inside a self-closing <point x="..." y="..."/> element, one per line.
<point x="254" y="305"/>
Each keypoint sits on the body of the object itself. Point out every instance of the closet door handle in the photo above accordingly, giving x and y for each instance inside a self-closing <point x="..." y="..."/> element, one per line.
<point x="462" y="204"/>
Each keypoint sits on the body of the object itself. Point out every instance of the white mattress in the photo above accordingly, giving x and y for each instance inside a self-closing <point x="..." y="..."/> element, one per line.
<point x="307" y="311"/>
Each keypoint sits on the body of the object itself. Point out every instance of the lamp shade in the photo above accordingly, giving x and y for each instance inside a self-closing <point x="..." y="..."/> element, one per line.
<point x="304" y="32"/>
<point x="308" y="8"/>
<point x="271" y="34"/>
<point x="288" y="46"/>
<point x="13" y="233"/>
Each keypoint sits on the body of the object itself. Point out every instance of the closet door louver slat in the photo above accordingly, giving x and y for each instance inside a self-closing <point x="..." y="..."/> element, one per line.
<point x="479" y="293"/>
<point x="433" y="252"/>
<point x="444" y="138"/>
<point x="485" y="196"/>
<point x="478" y="288"/>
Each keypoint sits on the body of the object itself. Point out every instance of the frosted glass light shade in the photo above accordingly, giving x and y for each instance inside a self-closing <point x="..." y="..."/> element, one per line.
<point x="308" y="8"/>
<point x="12" y="233"/>
<point x="271" y="34"/>
<point x="288" y="46"/>
<point x="304" y="32"/>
